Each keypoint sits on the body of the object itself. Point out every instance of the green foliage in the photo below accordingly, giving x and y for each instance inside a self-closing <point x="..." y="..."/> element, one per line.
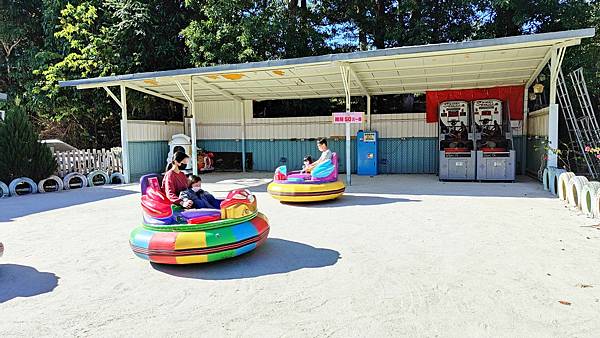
<point x="514" y="17"/>
<point x="386" y="23"/>
<point x="22" y="155"/>
<point x="244" y="30"/>
<point x="96" y="38"/>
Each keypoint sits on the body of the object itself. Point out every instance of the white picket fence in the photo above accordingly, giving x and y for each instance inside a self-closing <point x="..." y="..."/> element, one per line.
<point x="86" y="161"/>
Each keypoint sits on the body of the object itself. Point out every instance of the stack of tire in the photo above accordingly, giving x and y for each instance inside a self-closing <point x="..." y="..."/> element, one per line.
<point x="24" y="186"/>
<point x="576" y="191"/>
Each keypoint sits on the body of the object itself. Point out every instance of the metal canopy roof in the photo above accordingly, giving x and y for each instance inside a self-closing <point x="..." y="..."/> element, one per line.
<point x="472" y="64"/>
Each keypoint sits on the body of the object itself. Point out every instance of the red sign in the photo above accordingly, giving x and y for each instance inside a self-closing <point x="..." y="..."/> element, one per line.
<point x="348" y="117"/>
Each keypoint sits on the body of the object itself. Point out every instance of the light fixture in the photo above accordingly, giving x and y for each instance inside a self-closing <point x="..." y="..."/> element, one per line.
<point x="538" y="88"/>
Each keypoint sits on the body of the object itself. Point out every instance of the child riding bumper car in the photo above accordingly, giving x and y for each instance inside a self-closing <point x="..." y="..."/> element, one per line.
<point x="319" y="185"/>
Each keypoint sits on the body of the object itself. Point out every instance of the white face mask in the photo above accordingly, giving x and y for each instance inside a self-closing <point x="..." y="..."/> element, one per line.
<point x="196" y="189"/>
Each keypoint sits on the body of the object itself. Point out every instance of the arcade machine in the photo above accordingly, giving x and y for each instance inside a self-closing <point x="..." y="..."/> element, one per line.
<point x="366" y="153"/>
<point x="494" y="141"/>
<point x="457" y="155"/>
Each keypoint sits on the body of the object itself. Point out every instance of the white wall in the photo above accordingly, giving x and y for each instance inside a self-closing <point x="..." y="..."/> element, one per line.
<point x="223" y="119"/>
<point x="152" y="130"/>
<point x="537" y="123"/>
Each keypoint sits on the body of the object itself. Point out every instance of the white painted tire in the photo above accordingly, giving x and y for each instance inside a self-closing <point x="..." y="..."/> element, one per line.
<point x="4" y="192"/>
<point x="93" y="178"/>
<point x="576" y="185"/>
<point x="563" y="184"/>
<point x="58" y="183"/>
<point x="12" y="187"/>
<point x="546" y="177"/>
<point x="554" y="180"/>
<point x="117" y="176"/>
<point x="589" y="196"/>
<point x="70" y="179"/>
<point x="596" y="205"/>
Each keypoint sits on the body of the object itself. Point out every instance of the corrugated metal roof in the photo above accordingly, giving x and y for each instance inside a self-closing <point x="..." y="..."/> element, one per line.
<point x="470" y="64"/>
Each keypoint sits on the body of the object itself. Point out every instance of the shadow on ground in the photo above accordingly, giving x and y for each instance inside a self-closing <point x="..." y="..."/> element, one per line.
<point x="274" y="257"/>
<point x="352" y="200"/>
<point x="252" y="184"/>
<point x="24" y="281"/>
<point x="14" y="207"/>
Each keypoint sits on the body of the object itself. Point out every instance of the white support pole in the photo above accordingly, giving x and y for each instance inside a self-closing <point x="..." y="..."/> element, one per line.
<point x="242" y="112"/>
<point x="369" y="112"/>
<point x="524" y="131"/>
<point x="345" y="69"/>
<point x="194" y="132"/>
<point x="553" y="109"/>
<point x="124" y="138"/>
<point x="191" y="103"/>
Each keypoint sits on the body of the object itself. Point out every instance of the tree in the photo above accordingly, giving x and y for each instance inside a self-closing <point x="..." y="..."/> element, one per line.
<point x="515" y="17"/>
<point x="22" y="154"/>
<point x="385" y="23"/>
<point x="99" y="38"/>
<point x="20" y="32"/>
<point x="244" y="30"/>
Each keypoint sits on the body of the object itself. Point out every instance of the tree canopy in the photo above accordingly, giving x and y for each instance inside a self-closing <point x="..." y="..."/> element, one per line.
<point x="44" y="41"/>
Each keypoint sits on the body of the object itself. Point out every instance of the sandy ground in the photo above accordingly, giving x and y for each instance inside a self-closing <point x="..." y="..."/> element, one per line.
<point x="396" y="256"/>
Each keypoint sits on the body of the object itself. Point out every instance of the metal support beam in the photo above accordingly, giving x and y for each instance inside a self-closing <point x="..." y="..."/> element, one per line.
<point x="369" y="112"/>
<point x="547" y="58"/>
<point x="217" y="90"/>
<point x="114" y="97"/>
<point x="364" y="90"/>
<point x="193" y="127"/>
<point x="345" y="70"/>
<point x="242" y="112"/>
<point x="524" y="132"/>
<point x="357" y="80"/>
<point x="555" y="63"/>
<point x="185" y="94"/>
<point x="228" y="95"/>
<point x="539" y="68"/>
<point x="124" y="137"/>
<point x="193" y="133"/>
<point x="153" y="93"/>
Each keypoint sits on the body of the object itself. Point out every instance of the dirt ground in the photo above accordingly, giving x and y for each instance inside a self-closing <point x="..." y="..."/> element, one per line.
<point x="397" y="255"/>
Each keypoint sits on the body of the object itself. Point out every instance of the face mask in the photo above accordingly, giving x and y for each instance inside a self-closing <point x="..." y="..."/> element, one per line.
<point x="196" y="189"/>
<point x="182" y="166"/>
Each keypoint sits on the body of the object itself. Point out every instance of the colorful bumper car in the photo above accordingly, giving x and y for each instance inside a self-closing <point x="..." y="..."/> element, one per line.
<point x="319" y="185"/>
<point x="172" y="235"/>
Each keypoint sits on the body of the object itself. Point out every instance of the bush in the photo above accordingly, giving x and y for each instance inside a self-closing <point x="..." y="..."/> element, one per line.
<point x="21" y="153"/>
